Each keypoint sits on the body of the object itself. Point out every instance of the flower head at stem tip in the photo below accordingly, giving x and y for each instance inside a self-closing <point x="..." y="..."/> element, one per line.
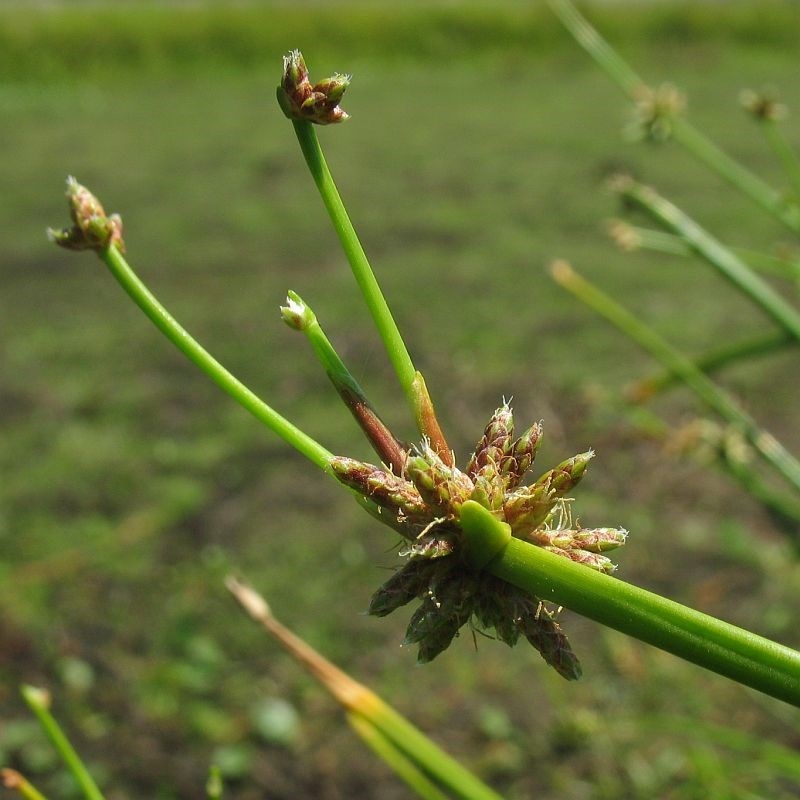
<point x="92" y="228"/>
<point x="301" y="100"/>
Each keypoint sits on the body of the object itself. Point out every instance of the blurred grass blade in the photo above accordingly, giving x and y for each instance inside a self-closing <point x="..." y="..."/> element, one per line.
<point x="770" y="449"/>
<point x="713" y="251"/>
<point x="770" y="125"/>
<point x="39" y="701"/>
<point x="392" y="756"/>
<point x="12" y="779"/>
<point x="750" y="745"/>
<point x="707" y="641"/>
<point x="399" y="735"/>
<point x="785" y="507"/>
<point x="682" y="131"/>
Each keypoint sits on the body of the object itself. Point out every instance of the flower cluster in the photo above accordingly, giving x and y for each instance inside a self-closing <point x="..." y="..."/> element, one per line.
<point x="92" y="228"/>
<point x="301" y="100"/>
<point x="423" y="503"/>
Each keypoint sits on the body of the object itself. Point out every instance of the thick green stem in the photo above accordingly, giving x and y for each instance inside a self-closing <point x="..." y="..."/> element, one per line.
<point x="37" y="701"/>
<point x="167" y="324"/>
<point x="709" y="642"/>
<point x="770" y="449"/>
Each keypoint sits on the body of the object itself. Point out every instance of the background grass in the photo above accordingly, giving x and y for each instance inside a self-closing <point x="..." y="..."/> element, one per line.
<point x="129" y="486"/>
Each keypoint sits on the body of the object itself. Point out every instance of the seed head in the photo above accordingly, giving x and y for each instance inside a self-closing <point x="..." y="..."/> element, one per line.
<point x="92" y="229"/>
<point x="300" y="100"/>
<point x="424" y="504"/>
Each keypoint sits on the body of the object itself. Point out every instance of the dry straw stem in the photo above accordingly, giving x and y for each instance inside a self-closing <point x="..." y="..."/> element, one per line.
<point x="14" y="780"/>
<point x="416" y="754"/>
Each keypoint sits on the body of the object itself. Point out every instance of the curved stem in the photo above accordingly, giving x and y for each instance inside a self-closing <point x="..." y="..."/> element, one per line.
<point x="169" y="326"/>
<point x="719" y="646"/>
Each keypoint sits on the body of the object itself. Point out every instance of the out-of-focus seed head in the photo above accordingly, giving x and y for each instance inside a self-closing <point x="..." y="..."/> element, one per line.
<point x="655" y="112"/>
<point x="763" y="105"/>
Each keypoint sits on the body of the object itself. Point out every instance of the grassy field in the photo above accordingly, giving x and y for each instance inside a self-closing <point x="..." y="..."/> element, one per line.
<point x="129" y="486"/>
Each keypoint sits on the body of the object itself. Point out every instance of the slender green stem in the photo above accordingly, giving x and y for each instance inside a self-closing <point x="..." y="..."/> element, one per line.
<point x="749" y="184"/>
<point x="299" y="315"/>
<point x="683" y="132"/>
<point x="783" y="150"/>
<point x="714" y="252"/>
<point x="167" y="324"/>
<point x="634" y="237"/>
<point x="365" y="278"/>
<point x="597" y="47"/>
<point x="446" y="770"/>
<point x="37" y="701"/>
<point x="770" y="449"/>
<point x="717" y="359"/>
<point x="719" y="646"/>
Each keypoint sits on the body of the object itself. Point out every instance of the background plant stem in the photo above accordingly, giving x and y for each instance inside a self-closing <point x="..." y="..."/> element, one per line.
<point x="770" y="449"/>
<point x="37" y="701"/>
<point x="683" y="131"/>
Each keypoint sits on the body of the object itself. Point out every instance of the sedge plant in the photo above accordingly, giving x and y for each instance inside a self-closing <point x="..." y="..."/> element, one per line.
<point x="658" y="117"/>
<point x="481" y="547"/>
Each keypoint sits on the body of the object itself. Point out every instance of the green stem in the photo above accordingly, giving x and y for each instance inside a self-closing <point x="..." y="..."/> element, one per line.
<point x="714" y="252"/>
<point x="37" y="701"/>
<point x="783" y="150"/>
<point x="365" y="278"/>
<point x="403" y="766"/>
<point x="716" y="359"/>
<point x="633" y="237"/>
<point x="770" y="449"/>
<point x="299" y="315"/>
<point x="718" y="646"/>
<point x="167" y="324"/>
<point x="749" y="184"/>
<point x="683" y="132"/>
<point x="597" y="47"/>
